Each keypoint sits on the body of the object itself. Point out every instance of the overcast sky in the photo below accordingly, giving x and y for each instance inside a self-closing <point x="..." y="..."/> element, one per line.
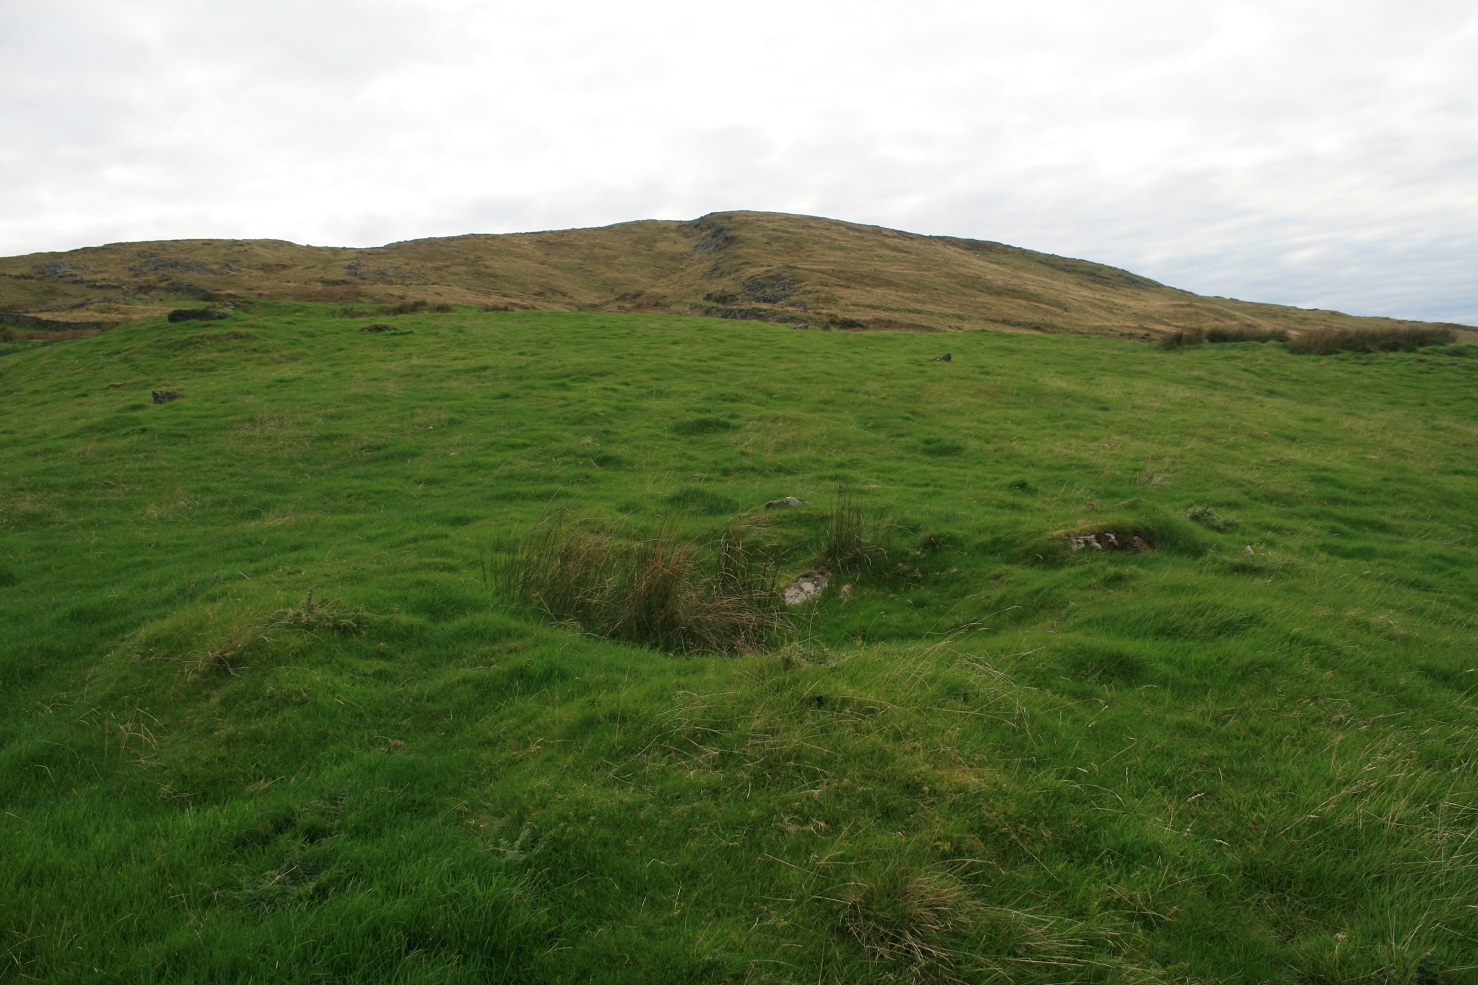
<point x="1321" y="153"/>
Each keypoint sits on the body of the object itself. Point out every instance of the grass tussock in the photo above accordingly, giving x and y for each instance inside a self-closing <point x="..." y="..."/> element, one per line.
<point x="417" y="307"/>
<point x="8" y="334"/>
<point x="320" y="616"/>
<point x="1180" y="338"/>
<point x="913" y="919"/>
<point x="854" y="541"/>
<point x="654" y="590"/>
<point x="1210" y="518"/>
<point x="1326" y="341"/>
<point x="928" y="925"/>
<point x="701" y="425"/>
<point x="1246" y="334"/>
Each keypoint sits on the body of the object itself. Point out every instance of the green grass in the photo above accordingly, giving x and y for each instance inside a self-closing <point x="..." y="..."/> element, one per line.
<point x="266" y="714"/>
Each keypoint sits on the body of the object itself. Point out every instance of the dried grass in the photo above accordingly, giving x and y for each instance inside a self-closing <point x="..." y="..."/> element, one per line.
<point x="653" y="590"/>
<point x="1326" y="341"/>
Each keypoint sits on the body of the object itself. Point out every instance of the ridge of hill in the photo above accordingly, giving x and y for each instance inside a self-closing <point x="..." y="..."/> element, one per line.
<point x="801" y="270"/>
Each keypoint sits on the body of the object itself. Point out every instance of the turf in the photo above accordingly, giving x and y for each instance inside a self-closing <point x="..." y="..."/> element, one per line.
<point x="267" y="715"/>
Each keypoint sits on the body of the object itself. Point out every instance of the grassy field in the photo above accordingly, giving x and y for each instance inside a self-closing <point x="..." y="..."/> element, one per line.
<point x="270" y="710"/>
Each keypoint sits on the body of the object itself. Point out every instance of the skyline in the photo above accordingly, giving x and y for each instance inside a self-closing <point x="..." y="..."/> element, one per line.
<point x="1307" y="153"/>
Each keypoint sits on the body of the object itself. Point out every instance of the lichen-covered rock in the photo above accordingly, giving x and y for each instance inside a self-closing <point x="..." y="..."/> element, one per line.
<point x="806" y="587"/>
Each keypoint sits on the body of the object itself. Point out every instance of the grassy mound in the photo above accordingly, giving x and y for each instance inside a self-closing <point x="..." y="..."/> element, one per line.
<point x="289" y="691"/>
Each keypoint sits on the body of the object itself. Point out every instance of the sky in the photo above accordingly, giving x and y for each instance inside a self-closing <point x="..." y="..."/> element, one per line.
<point x="1319" y="153"/>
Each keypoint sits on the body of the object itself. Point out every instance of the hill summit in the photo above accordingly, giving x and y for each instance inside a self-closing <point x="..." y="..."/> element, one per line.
<point x="801" y="270"/>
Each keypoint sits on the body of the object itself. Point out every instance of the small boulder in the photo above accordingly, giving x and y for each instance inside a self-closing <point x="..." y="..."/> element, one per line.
<point x="378" y="327"/>
<point x="806" y="587"/>
<point x="196" y="314"/>
<point x="1109" y="540"/>
<point x="165" y="396"/>
<point x="783" y="504"/>
<point x="941" y="359"/>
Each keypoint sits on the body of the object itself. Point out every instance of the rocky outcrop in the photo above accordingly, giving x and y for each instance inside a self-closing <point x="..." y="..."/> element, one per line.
<point x="196" y="314"/>
<point x="50" y="324"/>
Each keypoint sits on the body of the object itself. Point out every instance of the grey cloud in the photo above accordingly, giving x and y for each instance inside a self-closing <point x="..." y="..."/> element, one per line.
<point x="1304" y="151"/>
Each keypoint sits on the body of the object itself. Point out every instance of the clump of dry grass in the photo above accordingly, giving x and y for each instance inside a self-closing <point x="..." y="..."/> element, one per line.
<point x="320" y="615"/>
<point x="417" y="307"/>
<point x="1182" y="337"/>
<point x="928" y="924"/>
<point x="1396" y="338"/>
<point x="909" y="918"/>
<point x="653" y="590"/>
<point x="8" y="334"/>
<point x="1246" y="333"/>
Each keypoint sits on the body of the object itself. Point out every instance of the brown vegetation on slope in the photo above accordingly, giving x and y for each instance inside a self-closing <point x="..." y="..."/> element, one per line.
<point x="820" y="273"/>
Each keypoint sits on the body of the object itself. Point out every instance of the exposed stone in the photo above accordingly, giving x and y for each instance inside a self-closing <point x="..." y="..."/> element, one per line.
<point x="773" y="288"/>
<point x="378" y="327"/>
<point x="196" y="314"/>
<point x="1108" y="540"/>
<point x="713" y="236"/>
<point x="56" y="269"/>
<point x="740" y="314"/>
<point x="50" y="324"/>
<point x="806" y="587"/>
<point x="784" y="503"/>
<point x="165" y="396"/>
<point x="941" y="359"/>
<point x="155" y="262"/>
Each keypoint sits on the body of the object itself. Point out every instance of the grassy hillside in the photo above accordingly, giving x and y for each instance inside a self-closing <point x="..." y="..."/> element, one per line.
<point x="741" y="265"/>
<point x="267" y="712"/>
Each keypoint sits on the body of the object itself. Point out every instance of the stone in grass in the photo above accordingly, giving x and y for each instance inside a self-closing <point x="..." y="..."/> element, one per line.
<point x="165" y="396"/>
<point x="196" y="314"/>
<point x="806" y="587"/>
<point x="783" y="503"/>
<point x="378" y="327"/>
<point x="941" y="359"/>
<point x="1108" y="540"/>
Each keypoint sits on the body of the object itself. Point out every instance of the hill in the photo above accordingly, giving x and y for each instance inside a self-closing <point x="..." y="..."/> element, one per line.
<point x="450" y="653"/>
<point x="799" y="270"/>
